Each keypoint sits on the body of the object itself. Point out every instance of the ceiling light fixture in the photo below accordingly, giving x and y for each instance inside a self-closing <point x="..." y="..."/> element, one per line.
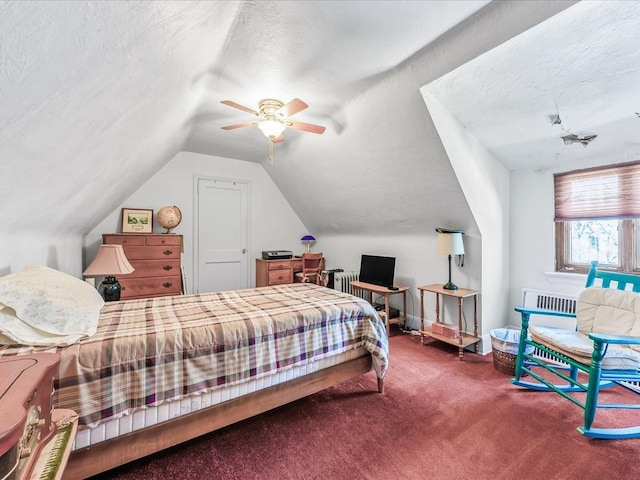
<point x="272" y="128"/>
<point x="275" y="119"/>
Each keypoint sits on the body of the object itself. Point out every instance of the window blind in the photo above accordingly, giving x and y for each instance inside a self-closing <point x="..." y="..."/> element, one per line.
<point x="598" y="193"/>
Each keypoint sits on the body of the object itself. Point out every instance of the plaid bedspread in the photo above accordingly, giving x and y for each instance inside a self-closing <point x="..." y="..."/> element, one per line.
<point x="152" y="350"/>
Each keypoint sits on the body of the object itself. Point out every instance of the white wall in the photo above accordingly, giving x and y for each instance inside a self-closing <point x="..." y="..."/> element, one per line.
<point x="273" y="223"/>
<point x="62" y="252"/>
<point x="533" y="230"/>
<point x="417" y="264"/>
<point x="485" y="183"/>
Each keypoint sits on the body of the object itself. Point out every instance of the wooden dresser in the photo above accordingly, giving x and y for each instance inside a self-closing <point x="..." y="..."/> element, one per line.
<point x="157" y="260"/>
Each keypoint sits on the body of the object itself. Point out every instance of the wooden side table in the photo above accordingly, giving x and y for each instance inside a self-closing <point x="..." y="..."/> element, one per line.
<point x="464" y="339"/>
<point x="386" y="293"/>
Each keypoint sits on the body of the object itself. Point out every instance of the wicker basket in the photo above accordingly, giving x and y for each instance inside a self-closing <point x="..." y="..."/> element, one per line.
<point x="504" y="362"/>
<point x="505" y="351"/>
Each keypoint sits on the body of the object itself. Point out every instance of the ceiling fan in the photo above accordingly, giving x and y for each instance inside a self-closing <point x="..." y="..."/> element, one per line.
<point x="274" y="119"/>
<point x="572" y="138"/>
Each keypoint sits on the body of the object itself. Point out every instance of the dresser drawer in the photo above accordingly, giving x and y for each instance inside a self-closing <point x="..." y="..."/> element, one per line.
<point x="134" y="252"/>
<point x="280" y="276"/>
<point x="154" y="268"/>
<point x="123" y="239"/>
<point x="286" y="264"/>
<point x="165" y="240"/>
<point x="149" y="287"/>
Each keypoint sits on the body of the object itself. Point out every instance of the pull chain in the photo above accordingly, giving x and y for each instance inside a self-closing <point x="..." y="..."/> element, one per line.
<point x="271" y="152"/>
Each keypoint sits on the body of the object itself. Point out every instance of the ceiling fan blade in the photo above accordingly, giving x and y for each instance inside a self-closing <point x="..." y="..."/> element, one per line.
<point x="307" y="127"/>
<point x="278" y="139"/>
<point x="294" y="106"/>
<point x="240" y="107"/>
<point x="239" y="125"/>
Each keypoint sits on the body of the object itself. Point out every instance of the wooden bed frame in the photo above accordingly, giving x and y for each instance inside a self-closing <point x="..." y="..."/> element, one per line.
<point x="112" y="453"/>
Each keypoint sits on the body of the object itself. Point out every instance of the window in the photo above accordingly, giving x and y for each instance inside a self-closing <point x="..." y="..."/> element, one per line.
<point x="597" y="215"/>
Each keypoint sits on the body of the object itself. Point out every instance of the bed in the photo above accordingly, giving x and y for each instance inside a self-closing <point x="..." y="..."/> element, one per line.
<point x="151" y="373"/>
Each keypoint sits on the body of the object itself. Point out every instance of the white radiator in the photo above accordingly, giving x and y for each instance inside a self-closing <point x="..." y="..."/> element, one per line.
<point x="557" y="302"/>
<point x="342" y="281"/>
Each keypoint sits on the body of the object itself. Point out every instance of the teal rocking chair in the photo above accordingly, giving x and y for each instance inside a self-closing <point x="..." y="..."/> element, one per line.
<point x="603" y="352"/>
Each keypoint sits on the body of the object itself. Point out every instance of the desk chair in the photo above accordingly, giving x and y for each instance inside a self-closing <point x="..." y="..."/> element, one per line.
<point x="311" y="269"/>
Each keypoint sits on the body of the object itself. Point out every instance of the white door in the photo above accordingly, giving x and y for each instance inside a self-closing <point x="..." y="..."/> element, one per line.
<point x="222" y="232"/>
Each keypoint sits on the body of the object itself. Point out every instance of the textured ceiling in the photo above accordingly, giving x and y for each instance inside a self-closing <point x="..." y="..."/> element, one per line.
<point x="324" y="52"/>
<point x="581" y="65"/>
<point x="97" y="96"/>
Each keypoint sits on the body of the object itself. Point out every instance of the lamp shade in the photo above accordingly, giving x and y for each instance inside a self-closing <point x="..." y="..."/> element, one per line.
<point x="450" y="243"/>
<point x="308" y="239"/>
<point x="110" y="261"/>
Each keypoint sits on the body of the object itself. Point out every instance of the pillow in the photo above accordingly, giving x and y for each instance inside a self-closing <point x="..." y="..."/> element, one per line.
<point x="42" y="306"/>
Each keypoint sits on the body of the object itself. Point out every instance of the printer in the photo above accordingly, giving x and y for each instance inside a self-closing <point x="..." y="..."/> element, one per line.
<point x="276" y="254"/>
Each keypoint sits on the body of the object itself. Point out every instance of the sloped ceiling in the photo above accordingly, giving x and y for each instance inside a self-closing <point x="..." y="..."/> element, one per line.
<point x="580" y="67"/>
<point x="97" y="96"/>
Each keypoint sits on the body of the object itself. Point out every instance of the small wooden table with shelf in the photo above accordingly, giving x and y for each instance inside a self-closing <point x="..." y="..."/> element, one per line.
<point x="464" y="340"/>
<point x="386" y="293"/>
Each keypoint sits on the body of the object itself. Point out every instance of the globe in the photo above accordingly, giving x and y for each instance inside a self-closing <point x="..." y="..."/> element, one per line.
<point x="169" y="217"/>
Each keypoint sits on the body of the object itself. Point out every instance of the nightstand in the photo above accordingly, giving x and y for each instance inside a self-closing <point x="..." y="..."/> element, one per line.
<point x="464" y="339"/>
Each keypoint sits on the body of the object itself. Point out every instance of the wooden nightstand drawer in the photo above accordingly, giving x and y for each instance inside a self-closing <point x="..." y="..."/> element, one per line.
<point x="277" y="277"/>
<point x="149" y="287"/>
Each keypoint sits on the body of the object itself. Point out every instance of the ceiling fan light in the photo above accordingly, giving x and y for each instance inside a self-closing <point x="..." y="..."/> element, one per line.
<point x="272" y="128"/>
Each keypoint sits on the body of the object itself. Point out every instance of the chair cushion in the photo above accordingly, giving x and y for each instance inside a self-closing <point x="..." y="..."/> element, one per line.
<point x="607" y="310"/>
<point x="599" y="310"/>
<point x="579" y="346"/>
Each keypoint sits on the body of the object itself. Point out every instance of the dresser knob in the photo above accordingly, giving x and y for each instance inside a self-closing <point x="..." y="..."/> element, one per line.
<point x="167" y="284"/>
<point x="167" y="267"/>
<point x="168" y="252"/>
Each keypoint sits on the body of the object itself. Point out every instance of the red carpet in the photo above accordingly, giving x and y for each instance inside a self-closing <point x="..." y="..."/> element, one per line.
<point x="439" y="418"/>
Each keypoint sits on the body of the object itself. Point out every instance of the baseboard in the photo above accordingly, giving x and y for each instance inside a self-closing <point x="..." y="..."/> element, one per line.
<point x="484" y="346"/>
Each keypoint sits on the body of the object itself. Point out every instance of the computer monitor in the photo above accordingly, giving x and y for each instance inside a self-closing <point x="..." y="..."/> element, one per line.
<point x="377" y="270"/>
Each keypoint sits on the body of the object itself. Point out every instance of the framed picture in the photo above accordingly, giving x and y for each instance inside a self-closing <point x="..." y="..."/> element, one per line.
<point x="137" y="220"/>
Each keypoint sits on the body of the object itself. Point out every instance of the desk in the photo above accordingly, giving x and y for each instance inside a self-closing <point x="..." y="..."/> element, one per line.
<point x="386" y="293"/>
<point x="464" y="339"/>
<point x="278" y="272"/>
